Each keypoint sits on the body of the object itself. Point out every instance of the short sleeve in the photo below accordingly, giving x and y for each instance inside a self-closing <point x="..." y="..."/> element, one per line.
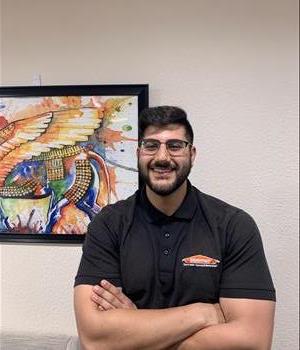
<point x="245" y="271"/>
<point x="100" y="253"/>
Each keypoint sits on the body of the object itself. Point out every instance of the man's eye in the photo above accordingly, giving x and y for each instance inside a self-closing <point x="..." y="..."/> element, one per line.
<point x="150" y="145"/>
<point x="175" y="146"/>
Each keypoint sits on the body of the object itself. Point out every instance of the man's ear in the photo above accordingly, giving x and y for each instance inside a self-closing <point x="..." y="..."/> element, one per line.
<point x="193" y="154"/>
<point x="138" y="151"/>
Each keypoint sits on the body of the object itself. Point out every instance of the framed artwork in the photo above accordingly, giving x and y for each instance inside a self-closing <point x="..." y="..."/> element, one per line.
<point x="65" y="153"/>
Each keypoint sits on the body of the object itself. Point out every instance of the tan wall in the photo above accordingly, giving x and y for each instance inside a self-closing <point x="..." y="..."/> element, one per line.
<point x="232" y="64"/>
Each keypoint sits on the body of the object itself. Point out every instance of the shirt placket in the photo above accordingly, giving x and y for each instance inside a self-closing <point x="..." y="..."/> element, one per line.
<point x="167" y="239"/>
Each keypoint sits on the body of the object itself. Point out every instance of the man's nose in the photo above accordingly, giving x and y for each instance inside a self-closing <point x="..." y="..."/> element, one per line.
<point x="162" y="152"/>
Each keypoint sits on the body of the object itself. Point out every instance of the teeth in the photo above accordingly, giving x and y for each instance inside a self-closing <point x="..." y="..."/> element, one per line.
<point x="160" y="170"/>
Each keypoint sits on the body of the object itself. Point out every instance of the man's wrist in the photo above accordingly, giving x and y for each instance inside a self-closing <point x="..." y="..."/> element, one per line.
<point x="209" y="315"/>
<point x="205" y="315"/>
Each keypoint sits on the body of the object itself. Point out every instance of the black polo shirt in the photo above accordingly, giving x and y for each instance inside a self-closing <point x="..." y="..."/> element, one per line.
<point x="206" y="250"/>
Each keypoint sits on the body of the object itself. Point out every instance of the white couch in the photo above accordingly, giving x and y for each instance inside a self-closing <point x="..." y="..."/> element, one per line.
<point x="33" y="341"/>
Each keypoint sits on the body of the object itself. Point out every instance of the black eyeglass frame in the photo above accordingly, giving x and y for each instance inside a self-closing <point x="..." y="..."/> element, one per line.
<point x="159" y="143"/>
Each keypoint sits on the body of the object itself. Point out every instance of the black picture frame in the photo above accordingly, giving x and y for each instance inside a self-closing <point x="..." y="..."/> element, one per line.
<point x="139" y="94"/>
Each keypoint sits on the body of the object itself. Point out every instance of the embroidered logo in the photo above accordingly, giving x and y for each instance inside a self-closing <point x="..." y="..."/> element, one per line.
<point x="200" y="261"/>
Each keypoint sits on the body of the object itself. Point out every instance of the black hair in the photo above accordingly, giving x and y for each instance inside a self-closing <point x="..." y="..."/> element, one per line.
<point x="164" y="115"/>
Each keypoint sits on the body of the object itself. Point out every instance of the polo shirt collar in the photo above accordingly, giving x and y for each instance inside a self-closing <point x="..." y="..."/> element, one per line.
<point x="186" y="210"/>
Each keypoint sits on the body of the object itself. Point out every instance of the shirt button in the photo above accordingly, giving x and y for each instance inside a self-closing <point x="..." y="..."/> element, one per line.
<point x="167" y="235"/>
<point x="166" y="251"/>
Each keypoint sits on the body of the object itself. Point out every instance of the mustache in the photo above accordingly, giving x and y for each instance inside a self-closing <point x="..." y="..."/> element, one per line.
<point x="163" y="164"/>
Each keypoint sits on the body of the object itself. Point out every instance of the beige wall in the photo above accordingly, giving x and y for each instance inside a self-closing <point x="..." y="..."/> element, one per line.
<point x="232" y="64"/>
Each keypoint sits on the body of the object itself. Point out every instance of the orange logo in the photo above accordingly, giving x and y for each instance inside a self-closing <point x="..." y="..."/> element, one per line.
<point x="200" y="260"/>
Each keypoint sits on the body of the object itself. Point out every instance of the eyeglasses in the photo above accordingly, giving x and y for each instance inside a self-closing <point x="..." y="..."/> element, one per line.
<point x="174" y="147"/>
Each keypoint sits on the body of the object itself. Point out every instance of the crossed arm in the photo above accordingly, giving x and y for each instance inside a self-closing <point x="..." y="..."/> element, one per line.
<point x="107" y="319"/>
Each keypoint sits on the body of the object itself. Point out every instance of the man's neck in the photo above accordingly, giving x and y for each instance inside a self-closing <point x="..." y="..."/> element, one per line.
<point x="167" y="204"/>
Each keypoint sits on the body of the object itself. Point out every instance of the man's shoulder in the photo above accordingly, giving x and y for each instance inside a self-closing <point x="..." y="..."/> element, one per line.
<point x="218" y="212"/>
<point x="215" y="204"/>
<point x="122" y="205"/>
<point x="122" y="210"/>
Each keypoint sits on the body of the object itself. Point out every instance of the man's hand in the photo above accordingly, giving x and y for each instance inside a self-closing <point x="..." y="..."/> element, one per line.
<point x="124" y="326"/>
<point x="109" y="297"/>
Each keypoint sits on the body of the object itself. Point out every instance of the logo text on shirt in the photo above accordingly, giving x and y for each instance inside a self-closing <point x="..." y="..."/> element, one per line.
<point x="200" y="261"/>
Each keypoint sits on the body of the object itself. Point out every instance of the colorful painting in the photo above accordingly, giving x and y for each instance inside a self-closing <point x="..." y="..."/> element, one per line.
<point x="63" y="158"/>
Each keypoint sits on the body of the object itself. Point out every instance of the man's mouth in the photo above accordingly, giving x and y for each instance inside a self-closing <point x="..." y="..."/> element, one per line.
<point x="162" y="170"/>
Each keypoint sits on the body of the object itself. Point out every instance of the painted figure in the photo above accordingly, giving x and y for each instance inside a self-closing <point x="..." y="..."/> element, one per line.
<point x="54" y="165"/>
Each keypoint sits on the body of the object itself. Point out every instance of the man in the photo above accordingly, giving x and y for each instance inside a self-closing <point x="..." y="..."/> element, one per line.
<point x="171" y="267"/>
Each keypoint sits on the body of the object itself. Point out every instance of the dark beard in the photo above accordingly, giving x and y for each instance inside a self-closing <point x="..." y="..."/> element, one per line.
<point x="172" y="187"/>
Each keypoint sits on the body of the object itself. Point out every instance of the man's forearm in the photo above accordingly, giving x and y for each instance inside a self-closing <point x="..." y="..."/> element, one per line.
<point x="249" y="326"/>
<point x="230" y="336"/>
<point x="140" y="329"/>
<point x="143" y="329"/>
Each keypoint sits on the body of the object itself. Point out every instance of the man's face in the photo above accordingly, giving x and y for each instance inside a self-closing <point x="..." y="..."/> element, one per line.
<point x="162" y="172"/>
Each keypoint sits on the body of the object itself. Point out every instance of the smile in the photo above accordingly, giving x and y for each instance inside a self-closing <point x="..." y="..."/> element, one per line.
<point x="162" y="170"/>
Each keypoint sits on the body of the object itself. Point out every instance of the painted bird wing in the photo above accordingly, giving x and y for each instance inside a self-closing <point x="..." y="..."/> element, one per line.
<point x="64" y="127"/>
<point x="22" y="131"/>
